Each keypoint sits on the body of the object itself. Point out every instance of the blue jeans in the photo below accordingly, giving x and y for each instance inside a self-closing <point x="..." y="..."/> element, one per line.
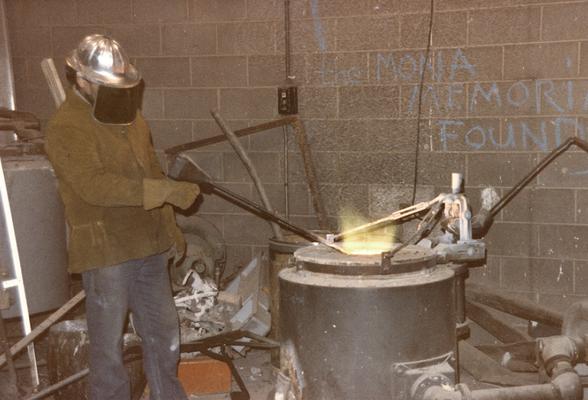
<point x="143" y="287"/>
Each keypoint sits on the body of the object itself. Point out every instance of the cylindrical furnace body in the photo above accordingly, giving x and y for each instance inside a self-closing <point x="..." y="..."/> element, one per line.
<point x="351" y="329"/>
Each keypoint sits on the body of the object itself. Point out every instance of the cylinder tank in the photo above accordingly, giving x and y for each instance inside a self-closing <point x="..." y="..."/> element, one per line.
<point x="350" y="327"/>
<point x="39" y="225"/>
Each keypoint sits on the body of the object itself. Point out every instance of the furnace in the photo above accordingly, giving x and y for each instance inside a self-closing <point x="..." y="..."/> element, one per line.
<point x="353" y="328"/>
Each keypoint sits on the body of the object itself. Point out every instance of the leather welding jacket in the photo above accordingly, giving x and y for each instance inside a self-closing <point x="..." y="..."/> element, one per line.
<point x="100" y="170"/>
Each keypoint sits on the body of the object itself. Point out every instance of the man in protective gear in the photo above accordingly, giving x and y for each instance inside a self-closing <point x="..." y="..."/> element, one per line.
<point x="118" y="206"/>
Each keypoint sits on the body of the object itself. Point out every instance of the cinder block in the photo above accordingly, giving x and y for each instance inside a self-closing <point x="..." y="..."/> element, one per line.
<point x="268" y="167"/>
<point x="340" y="8"/>
<point x="138" y="40"/>
<point x="267" y="70"/>
<point x="203" y="375"/>
<point x="383" y="7"/>
<point x="502" y="98"/>
<point x="214" y="204"/>
<point x="368" y="33"/>
<point x="537" y="275"/>
<point x="568" y="170"/>
<point x="219" y="71"/>
<point x="385" y="199"/>
<point x="369" y="102"/>
<point x="246" y="38"/>
<point x="317" y="102"/>
<point x="104" y="12"/>
<point x="211" y="162"/>
<point x="258" y="103"/>
<point x="464" y="135"/>
<point x="574" y="15"/>
<point x="449" y="29"/>
<point x="443" y="100"/>
<point x="189" y="39"/>
<point x="306" y="36"/>
<point x="265" y="9"/>
<point x="152" y="107"/>
<point x="542" y="206"/>
<point x="326" y="166"/>
<point x="213" y="10"/>
<point x="472" y="64"/>
<point x="498" y="169"/>
<point x="513" y="239"/>
<point x="444" y="5"/>
<point x="66" y="38"/>
<point x="436" y="168"/>
<point x="504" y="25"/>
<point x="581" y="206"/>
<point x="581" y="278"/>
<point x="558" y="60"/>
<point x="298" y="198"/>
<point x="339" y="199"/>
<point x="30" y="13"/>
<point x="404" y="66"/>
<point x="357" y="168"/>
<point x="271" y="140"/>
<point x="246" y="229"/>
<point x="167" y="134"/>
<point x="489" y="274"/>
<point x="33" y="42"/>
<point x="535" y="133"/>
<point x="205" y="129"/>
<point x="165" y="71"/>
<point x="364" y="135"/>
<point x="563" y="241"/>
<point x="584" y="59"/>
<point x="160" y="10"/>
<point x="189" y="103"/>
<point x="337" y="69"/>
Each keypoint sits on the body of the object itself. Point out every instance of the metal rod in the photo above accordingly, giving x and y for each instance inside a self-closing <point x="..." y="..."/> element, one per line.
<point x="286" y="173"/>
<point x="582" y="144"/>
<point x="43" y="326"/>
<point x="310" y="174"/>
<point x="222" y="138"/>
<point x="15" y="257"/>
<point x="254" y="208"/>
<point x="287" y="55"/>
<point x="249" y="167"/>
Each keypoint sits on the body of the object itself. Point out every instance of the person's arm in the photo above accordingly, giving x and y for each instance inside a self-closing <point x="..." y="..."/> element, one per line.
<point x="75" y="159"/>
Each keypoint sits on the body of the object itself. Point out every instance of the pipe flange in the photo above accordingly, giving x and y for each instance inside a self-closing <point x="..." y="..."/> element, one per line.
<point x="425" y="382"/>
<point x="465" y="391"/>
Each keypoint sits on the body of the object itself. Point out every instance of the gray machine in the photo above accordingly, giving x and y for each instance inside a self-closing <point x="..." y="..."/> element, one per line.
<point x="40" y="233"/>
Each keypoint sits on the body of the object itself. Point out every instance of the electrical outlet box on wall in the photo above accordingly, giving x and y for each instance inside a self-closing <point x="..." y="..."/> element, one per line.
<point x="288" y="100"/>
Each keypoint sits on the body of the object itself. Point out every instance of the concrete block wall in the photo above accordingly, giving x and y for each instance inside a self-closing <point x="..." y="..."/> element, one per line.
<point x="506" y="81"/>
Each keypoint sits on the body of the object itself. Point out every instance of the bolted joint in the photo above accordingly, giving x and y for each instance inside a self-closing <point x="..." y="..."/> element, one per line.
<point x="555" y="350"/>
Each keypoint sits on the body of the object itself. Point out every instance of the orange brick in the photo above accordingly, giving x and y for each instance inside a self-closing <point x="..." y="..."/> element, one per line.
<point x="203" y="375"/>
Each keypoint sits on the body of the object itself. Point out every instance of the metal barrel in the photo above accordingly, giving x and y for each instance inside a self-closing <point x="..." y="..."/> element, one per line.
<point x="280" y="252"/>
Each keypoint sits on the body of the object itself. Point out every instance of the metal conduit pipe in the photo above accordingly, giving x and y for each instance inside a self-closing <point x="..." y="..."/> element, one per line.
<point x="566" y="386"/>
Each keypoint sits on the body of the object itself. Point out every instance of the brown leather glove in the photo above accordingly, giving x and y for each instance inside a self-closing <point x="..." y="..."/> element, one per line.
<point x="156" y="192"/>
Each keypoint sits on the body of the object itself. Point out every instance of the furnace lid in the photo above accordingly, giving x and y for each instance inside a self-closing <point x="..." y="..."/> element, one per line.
<point x="319" y="258"/>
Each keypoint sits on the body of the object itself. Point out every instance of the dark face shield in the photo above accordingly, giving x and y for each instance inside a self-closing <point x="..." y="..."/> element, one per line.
<point x="116" y="105"/>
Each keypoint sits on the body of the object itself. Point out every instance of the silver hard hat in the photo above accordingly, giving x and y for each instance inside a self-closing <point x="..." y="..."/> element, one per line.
<point x="101" y="60"/>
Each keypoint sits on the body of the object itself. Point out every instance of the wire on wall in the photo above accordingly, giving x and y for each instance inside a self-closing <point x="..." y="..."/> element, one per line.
<point x="420" y="104"/>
